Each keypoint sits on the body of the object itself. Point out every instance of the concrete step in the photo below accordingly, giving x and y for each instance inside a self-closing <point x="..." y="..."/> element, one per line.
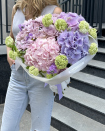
<point x="3" y="49"/>
<point x="98" y="64"/>
<point x="96" y="68"/>
<point x="100" y="55"/>
<point x="89" y="83"/>
<point x="84" y="103"/>
<point x="101" y="50"/>
<point x="90" y="79"/>
<point x="2" y="98"/>
<point x="25" y="123"/>
<point x="69" y="120"/>
<point x="3" y="41"/>
<point x="101" y="42"/>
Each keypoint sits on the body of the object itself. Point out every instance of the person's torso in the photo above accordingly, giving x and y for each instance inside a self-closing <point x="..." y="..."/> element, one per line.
<point x="19" y="18"/>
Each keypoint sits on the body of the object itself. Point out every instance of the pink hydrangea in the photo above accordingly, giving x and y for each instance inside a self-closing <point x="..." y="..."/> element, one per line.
<point x="50" y="31"/>
<point x="39" y="19"/>
<point x="42" y="53"/>
<point x="23" y="41"/>
<point x="29" y="33"/>
<point x="55" y="17"/>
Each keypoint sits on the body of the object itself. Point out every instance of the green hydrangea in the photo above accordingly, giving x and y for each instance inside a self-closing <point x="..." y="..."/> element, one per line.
<point x="61" y="61"/>
<point x="9" y="41"/>
<point x="60" y="25"/>
<point x="93" y="32"/>
<point x="33" y="70"/>
<point x="49" y="76"/>
<point x="93" y="49"/>
<point x="84" y="27"/>
<point x="47" y="20"/>
<point x="12" y="54"/>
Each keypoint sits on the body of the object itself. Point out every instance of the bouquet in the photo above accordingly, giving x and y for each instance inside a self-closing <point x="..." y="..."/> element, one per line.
<point x="52" y="47"/>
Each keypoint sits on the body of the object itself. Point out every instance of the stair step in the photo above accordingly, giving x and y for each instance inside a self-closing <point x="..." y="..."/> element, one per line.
<point x="96" y="68"/>
<point x="101" y="42"/>
<point x="74" y="120"/>
<point x="25" y="123"/>
<point x="86" y="99"/>
<point x="102" y="38"/>
<point x="84" y="103"/>
<point x="97" y="64"/>
<point x="89" y="83"/>
<point x="100" y="55"/>
<point x="3" y="49"/>
<point x="90" y="79"/>
<point x="101" y="50"/>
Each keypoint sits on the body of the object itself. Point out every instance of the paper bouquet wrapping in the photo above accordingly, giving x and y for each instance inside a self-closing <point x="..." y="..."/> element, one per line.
<point x="53" y="47"/>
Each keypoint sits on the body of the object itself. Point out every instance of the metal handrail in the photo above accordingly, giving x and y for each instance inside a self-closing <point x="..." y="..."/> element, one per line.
<point x="87" y="8"/>
<point x="63" y="2"/>
<point x="84" y="7"/>
<point x="100" y="17"/>
<point x="6" y="7"/>
<point x="1" y="29"/>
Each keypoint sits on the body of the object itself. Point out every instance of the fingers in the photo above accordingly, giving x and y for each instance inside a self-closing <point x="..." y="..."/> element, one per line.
<point x="11" y="61"/>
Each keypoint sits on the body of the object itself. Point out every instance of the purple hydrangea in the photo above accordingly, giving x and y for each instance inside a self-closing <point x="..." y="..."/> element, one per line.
<point x="30" y="36"/>
<point x="74" y="45"/>
<point x="72" y="19"/>
<point x="52" y="69"/>
<point x="21" y="26"/>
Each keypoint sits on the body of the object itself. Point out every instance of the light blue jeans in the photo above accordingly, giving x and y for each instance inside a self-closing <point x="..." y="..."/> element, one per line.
<point x="22" y="89"/>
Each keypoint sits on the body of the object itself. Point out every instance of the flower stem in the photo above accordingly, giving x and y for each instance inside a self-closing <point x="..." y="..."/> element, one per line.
<point x="41" y="74"/>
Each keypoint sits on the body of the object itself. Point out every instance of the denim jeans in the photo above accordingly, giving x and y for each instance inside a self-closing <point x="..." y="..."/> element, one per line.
<point x="22" y="89"/>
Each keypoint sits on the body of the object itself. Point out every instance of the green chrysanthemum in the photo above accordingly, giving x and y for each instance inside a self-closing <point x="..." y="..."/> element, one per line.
<point x="12" y="54"/>
<point x="93" y="32"/>
<point x="93" y="49"/>
<point x="9" y="41"/>
<point x="49" y="76"/>
<point x="33" y="70"/>
<point x="61" y="62"/>
<point x="47" y="20"/>
<point x="83" y="27"/>
<point x="60" y="24"/>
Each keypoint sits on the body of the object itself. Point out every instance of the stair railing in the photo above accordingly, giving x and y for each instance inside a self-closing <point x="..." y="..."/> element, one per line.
<point x="91" y="10"/>
<point x="1" y="29"/>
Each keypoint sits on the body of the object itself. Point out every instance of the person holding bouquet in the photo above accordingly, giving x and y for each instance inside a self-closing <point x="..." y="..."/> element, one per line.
<point x="23" y="89"/>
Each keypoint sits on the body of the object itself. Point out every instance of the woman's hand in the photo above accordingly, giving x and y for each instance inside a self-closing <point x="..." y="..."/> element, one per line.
<point x="10" y="61"/>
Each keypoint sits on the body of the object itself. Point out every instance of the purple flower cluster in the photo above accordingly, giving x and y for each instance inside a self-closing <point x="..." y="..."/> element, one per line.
<point x="29" y="36"/>
<point x="72" y="19"/>
<point x="52" y="69"/>
<point x="21" y="26"/>
<point x="74" y="45"/>
<point x="31" y="30"/>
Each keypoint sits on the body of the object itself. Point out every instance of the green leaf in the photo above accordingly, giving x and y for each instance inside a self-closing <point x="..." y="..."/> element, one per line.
<point x="27" y="67"/>
<point x="22" y="59"/>
<point x="41" y="74"/>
